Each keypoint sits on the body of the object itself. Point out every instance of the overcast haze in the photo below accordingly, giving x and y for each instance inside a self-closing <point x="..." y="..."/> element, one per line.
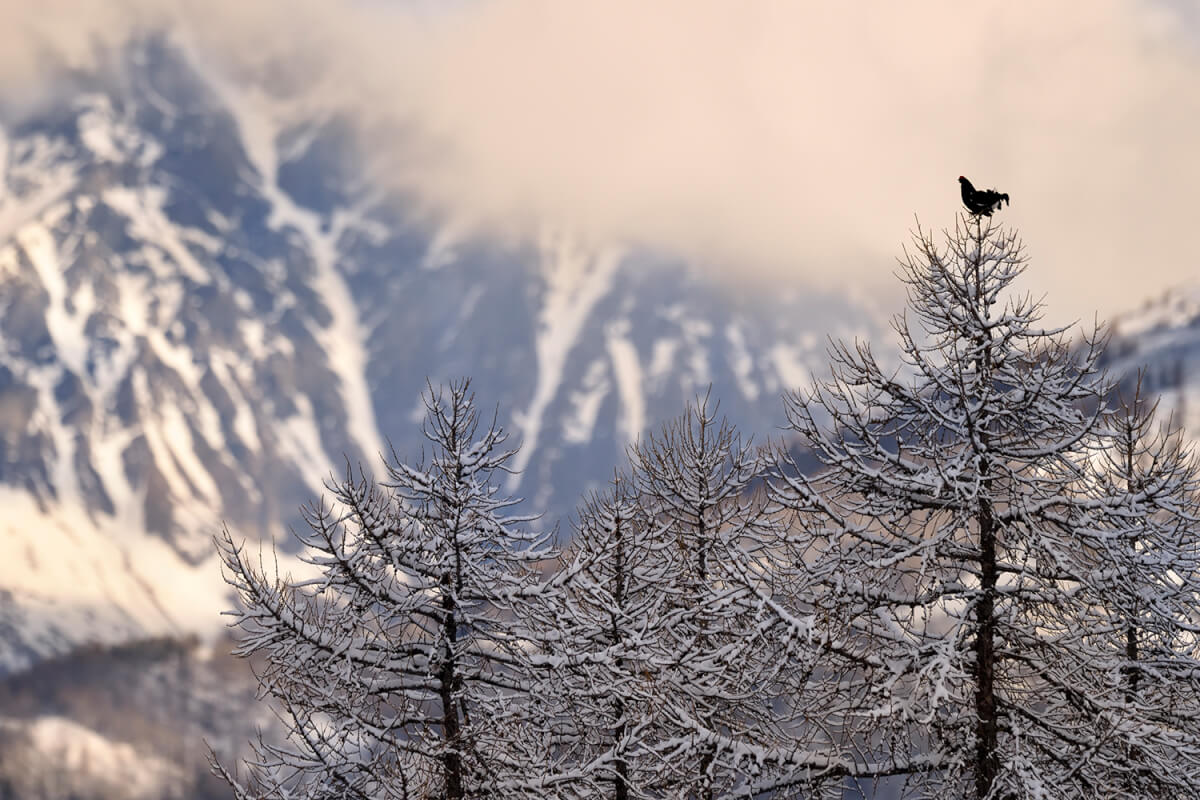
<point x="767" y="140"/>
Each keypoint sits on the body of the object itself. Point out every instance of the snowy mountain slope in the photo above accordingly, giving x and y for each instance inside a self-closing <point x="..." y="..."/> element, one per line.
<point x="205" y="311"/>
<point x="85" y="761"/>
<point x="129" y="721"/>
<point x="1163" y="339"/>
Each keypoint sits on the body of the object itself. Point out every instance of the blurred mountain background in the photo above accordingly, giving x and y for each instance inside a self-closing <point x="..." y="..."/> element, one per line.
<point x="207" y="311"/>
<point x="208" y="308"/>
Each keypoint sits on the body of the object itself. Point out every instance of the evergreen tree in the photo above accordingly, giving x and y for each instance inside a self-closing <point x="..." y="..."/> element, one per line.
<point x="968" y="530"/>
<point x="594" y="618"/>
<point x="652" y="667"/>
<point x="1138" y="567"/>
<point x="693" y="480"/>
<point x="397" y="670"/>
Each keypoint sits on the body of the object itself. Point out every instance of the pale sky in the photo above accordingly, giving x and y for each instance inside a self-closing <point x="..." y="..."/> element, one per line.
<point x="767" y="141"/>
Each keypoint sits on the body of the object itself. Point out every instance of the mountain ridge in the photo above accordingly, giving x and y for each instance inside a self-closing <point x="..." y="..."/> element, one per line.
<point x="206" y="312"/>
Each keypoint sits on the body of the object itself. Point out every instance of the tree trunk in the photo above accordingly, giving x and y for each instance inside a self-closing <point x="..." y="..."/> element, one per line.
<point x="1130" y="445"/>
<point x="452" y="770"/>
<point x="1131" y="655"/>
<point x="622" y="780"/>
<point x="987" y="761"/>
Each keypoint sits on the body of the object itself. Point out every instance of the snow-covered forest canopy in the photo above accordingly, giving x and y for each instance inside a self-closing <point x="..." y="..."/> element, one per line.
<point x="975" y="576"/>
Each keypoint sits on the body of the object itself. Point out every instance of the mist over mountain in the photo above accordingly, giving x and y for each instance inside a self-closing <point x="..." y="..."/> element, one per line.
<point x="208" y="309"/>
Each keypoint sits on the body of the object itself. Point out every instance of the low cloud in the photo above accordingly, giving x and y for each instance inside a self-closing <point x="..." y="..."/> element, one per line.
<point x="766" y="141"/>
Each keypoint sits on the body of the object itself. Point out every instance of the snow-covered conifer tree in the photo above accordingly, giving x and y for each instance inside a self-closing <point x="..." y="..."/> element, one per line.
<point x="676" y="672"/>
<point x="396" y="669"/>
<point x="694" y="482"/>
<point x="1138" y="574"/>
<point x="963" y="527"/>
<point x="594" y="619"/>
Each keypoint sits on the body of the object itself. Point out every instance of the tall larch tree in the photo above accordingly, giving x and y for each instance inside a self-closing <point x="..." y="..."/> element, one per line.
<point x="596" y="620"/>
<point x="397" y="669"/>
<point x="964" y="531"/>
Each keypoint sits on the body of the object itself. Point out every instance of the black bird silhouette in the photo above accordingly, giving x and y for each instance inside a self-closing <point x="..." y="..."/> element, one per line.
<point x="980" y="201"/>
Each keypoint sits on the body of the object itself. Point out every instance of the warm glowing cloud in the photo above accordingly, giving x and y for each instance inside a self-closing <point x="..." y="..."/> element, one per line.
<point x="791" y="140"/>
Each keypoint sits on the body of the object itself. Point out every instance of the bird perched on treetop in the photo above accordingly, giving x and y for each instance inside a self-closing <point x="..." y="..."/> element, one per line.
<point x="980" y="201"/>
